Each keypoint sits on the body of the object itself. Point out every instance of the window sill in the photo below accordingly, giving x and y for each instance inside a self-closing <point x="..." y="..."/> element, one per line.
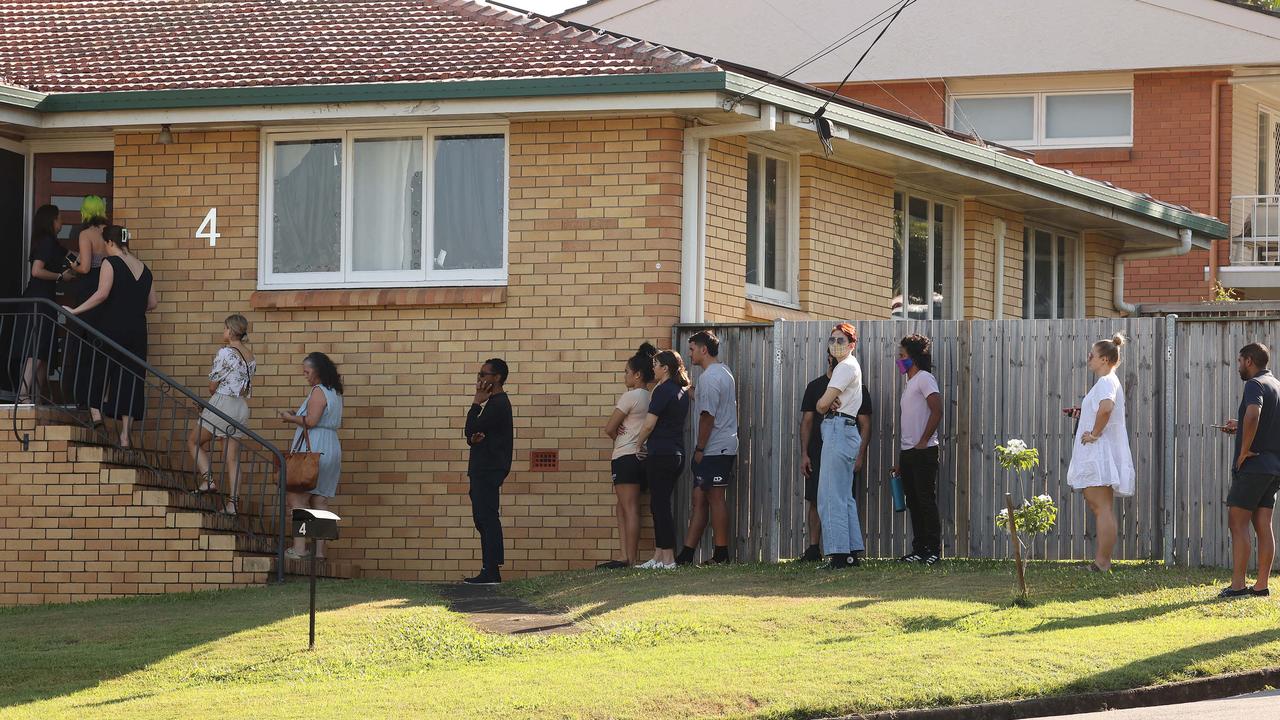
<point x="1083" y="155"/>
<point x="377" y="297"/>
<point x="769" y="311"/>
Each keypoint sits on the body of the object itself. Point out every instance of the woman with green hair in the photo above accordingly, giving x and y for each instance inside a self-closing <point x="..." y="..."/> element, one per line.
<point x="89" y="361"/>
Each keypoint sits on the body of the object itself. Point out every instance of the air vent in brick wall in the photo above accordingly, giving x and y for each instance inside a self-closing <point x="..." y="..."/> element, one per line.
<point x="544" y="460"/>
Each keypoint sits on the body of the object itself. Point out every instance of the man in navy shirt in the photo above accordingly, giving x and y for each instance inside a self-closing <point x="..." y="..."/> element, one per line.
<point x="490" y="433"/>
<point x="1255" y="476"/>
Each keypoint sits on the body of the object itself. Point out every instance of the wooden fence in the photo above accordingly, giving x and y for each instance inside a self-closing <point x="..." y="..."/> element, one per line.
<point x="999" y="380"/>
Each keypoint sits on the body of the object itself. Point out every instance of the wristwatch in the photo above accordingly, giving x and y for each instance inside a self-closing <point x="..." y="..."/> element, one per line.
<point x="698" y="449"/>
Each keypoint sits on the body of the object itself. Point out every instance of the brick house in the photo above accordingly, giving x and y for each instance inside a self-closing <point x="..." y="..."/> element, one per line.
<point x="415" y="186"/>
<point x="1186" y="109"/>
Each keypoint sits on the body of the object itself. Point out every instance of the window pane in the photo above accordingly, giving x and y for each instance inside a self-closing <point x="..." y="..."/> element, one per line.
<point x="1003" y="119"/>
<point x="753" y="219"/>
<point x="895" y="305"/>
<point x="306" y="202"/>
<point x="79" y="175"/>
<point x="1043" y="275"/>
<point x="1066" y="276"/>
<point x="386" y="211"/>
<point x="777" y="258"/>
<point x="468" y="196"/>
<point x="918" y="294"/>
<point x="1088" y="116"/>
<point x="943" y="226"/>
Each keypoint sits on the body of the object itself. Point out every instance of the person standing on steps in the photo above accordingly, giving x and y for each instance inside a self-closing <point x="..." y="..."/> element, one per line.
<point x="841" y="443"/>
<point x="1101" y="463"/>
<point x="811" y="454"/>
<point x="1255" y="476"/>
<point x="918" y="458"/>
<point x="490" y="433"/>
<point x="715" y="455"/>
<point x="230" y="384"/>
<point x="48" y="267"/>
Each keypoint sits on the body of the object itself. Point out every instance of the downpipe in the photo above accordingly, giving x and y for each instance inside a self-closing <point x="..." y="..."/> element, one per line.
<point x="1184" y="247"/>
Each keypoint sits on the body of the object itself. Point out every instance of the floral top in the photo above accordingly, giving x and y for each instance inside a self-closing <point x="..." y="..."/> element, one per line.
<point x="233" y="375"/>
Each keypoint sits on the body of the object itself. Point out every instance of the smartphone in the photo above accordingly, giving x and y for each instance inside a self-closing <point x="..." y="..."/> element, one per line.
<point x="1220" y="427"/>
<point x="1070" y="412"/>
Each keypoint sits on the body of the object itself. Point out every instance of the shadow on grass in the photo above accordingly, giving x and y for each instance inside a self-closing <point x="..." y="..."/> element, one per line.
<point x="1109" y="618"/>
<point x="48" y="651"/>
<point x="985" y="582"/>
<point x="1166" y="666"/>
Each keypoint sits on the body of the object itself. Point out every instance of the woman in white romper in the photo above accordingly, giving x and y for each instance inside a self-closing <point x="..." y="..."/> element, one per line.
<point x="321" y="416"/>
<point x="1101" y="463"/>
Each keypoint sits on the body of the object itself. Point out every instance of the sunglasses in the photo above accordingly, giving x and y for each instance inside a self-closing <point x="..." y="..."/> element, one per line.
<point x="838" y="341"/>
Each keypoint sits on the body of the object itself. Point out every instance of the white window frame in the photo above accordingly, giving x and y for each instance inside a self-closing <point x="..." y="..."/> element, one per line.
<point x="1040" y="119"/>
<point x="759" y="291"/>
<point x="1265" y="183"/>
<point x="956" y="281"/>
<point x="427" y="276"/>
<point x="1028" y="281"/>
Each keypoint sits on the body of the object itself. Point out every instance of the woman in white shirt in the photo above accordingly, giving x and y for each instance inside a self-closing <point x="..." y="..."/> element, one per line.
<point x="841" y="441"/>
<point x="1101" y="462"/>
<point x="230" y="383"/>
<point x="921" y="407"/>
<point x="628" y="472"/>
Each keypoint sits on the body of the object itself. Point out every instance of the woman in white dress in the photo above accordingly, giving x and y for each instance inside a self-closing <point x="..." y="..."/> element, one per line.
<point x="1101" y="463"/>
<point x="230" y="385"/>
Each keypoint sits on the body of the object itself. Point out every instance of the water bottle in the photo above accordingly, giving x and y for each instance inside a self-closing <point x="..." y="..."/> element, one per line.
<point x="899" y="493"/>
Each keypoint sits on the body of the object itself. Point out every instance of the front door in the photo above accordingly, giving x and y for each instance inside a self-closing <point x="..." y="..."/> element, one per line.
<point x="13" y="242"/>
<point x="64" y="179"/>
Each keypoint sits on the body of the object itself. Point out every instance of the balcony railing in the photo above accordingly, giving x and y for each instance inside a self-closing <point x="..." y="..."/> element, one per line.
<point x="1255" y="236"/>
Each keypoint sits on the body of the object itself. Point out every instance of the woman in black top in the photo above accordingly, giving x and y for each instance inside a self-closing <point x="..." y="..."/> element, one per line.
<point x="126" y="293"/>
<point x="48" y="266"/>
<point x="662" y="443"/>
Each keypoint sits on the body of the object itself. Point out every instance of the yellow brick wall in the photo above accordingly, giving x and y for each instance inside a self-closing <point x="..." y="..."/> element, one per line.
<point x="1099" y="274"/>
<point x="980" y="262"/>
<point x="594" y="211"/>
<point x="726" y="222"/>
<point x="846" y="246"/>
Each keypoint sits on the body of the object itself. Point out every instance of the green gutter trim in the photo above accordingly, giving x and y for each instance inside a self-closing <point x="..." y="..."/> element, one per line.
<point x="871" y="123"/>
<point x="382" y="92"/>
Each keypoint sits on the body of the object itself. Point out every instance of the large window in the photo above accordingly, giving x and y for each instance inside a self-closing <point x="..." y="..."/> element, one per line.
<point x="1047" y="120"/>
<point x="923" y="258"/>
<point x="771" y="235"/>
<point x="385" y="208"/>
<point x="1051" y="274"/>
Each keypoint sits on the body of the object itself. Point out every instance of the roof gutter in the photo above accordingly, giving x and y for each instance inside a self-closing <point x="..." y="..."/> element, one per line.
<point x="693" y="233"/>
<point x="1184" y="247"/>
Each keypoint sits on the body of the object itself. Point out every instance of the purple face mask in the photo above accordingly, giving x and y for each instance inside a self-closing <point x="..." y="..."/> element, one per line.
<point x="904" y="365"/>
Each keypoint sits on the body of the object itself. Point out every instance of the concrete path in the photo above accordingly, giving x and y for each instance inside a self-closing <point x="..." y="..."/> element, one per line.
<point x="493" y="612"/>
<point x="1257" y="706"/>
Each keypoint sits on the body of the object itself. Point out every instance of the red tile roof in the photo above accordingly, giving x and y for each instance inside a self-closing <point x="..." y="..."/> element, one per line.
<point x="104" y="45"/>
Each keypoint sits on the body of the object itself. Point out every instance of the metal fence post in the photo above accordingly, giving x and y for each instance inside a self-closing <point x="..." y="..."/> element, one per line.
<point x="775" y="416"/>
<point x="1168" y="469"/>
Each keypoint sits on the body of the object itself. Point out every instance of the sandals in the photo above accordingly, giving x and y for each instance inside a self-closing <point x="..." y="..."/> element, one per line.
<point x="207" y="486"/>
<point x="233" y="502"/>
<point x="1093" y="568"/>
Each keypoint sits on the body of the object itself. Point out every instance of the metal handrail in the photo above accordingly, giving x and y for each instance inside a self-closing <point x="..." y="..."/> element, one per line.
<point x="31" y="311"/>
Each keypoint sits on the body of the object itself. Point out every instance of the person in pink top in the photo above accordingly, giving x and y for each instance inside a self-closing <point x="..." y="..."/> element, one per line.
<point x="918" y="457"/>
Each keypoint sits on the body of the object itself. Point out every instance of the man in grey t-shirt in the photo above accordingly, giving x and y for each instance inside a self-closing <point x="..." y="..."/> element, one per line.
<point x="715" y="455"/>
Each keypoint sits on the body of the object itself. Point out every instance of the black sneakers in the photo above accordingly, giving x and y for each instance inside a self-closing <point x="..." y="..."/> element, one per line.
<point x="912" y="558"/>
<point x="486" y="577"/>
<point x="841" y="561"/>
<point x="923" y="559"/>
<point x="931" y="559"/>
<point x="685" y="556"/>
<point x="612" y="565"/>
<point x="811" y="554"/>
<point x="1228" y="593"/>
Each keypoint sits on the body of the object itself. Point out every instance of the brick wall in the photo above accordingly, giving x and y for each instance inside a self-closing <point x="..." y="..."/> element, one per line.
<point x="1099" y="275"/>
<point x="594" y="211"/>
<point x="726" y="221"/>
<point x="980" y="262"/>
<point x="923" y="100"/>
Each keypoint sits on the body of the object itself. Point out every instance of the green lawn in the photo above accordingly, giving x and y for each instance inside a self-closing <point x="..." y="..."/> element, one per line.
<point x="742" y="641"/>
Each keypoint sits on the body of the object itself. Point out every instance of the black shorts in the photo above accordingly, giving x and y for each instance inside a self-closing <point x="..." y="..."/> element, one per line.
<point x="1251" y="491"/>
<point x="715" y="471"/>
<point x="627" y="470"/>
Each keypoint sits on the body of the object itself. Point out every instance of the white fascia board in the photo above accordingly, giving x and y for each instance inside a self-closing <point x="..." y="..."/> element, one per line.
<point x="481" y="107"/>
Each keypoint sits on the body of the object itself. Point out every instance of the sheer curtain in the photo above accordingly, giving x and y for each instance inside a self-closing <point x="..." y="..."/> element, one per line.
<point x="468" y="202"/>
<point x="387" y="204"/>
<point x="307" y="207"/>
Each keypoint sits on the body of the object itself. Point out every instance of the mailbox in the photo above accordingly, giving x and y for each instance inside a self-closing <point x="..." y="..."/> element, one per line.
<point x="315" y="524"/>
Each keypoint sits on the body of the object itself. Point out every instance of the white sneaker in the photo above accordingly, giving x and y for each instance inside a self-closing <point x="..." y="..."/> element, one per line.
<point x="648" y="565"/>
<point x="665" y="566"/>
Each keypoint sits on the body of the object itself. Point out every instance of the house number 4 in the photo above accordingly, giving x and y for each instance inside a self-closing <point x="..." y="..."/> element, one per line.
<point x="209" y="227"/>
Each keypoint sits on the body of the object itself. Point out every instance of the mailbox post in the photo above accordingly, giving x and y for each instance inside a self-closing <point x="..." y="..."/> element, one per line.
<point x="314" y="525"/>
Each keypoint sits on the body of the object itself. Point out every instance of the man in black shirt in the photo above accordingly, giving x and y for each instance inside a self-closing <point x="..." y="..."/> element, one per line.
<point x="490" y="431"/>
<point x="1255" y="475"/>
<point x="811" y="453"/>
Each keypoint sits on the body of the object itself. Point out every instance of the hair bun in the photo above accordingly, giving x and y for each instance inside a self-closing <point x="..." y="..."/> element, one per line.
<point x="647" y="350"/>
<point x="1118" y="340"/>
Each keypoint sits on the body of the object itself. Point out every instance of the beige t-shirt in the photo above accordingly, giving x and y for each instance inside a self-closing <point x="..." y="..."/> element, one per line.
<point x="635" y="403"/>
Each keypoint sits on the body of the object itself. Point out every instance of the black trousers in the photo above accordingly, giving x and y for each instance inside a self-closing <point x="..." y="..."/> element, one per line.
<point x="919" y="470"/>
<point x="485" y="486"/>
<point x="662" y="472"/>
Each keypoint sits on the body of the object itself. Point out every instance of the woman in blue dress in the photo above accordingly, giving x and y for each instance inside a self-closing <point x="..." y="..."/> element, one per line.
<point x="321" y="416"/>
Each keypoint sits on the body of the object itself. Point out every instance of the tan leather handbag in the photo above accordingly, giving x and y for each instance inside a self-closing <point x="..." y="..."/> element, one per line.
<point x="302" y="469"/>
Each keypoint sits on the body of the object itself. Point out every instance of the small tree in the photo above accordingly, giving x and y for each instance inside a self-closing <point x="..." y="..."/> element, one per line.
<point x="1037" y="515"/>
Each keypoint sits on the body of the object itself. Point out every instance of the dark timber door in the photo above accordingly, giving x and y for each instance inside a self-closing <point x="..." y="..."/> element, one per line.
<point x="64" y="179"/>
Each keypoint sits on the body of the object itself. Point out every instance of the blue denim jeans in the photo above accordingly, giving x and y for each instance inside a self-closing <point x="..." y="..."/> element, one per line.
<point x="841" y="530"/>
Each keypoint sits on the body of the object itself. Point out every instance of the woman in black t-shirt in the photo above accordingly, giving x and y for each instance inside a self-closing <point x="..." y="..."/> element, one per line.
<point x="48" y="266"/>
<point x="661" y="441"/>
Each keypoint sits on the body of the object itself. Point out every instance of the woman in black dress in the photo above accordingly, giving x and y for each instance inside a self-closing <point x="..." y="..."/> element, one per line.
<point x="126" y="294"/>
<point x="48" y="266"/>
